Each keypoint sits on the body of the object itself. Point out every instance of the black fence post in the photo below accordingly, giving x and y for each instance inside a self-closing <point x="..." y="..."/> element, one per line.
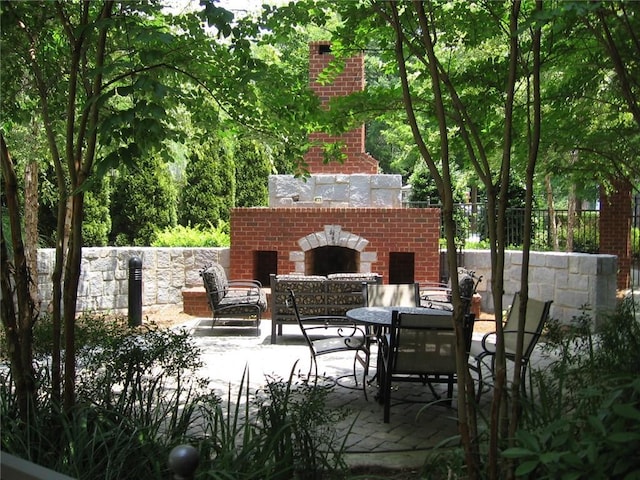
<point x="135" y="292"/>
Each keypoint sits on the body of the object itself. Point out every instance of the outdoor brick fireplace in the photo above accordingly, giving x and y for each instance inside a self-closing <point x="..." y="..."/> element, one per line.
<point x="344" y="218"/>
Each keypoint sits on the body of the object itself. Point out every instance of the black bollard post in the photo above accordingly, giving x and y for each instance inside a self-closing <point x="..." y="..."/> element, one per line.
<point x="135" y="292"/>
<point x="183" y="461"/>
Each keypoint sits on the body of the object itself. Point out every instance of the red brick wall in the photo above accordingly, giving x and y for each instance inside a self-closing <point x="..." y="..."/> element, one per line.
<point x="387" y="230"/>
<point x="195" y="302"/>
<point x="350" y="80"/>
<point x="615" y="225"/>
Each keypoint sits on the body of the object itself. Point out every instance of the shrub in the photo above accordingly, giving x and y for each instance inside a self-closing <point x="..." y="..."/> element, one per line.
<point x="253" y="167"/>
<point x="143" y="202"/>
<point x="585" y="418"/>
<point x="96" y="224"/>
<point x="180" y="236"/>
<point x="139" y="395"/>
<point x="209" y="190"/>
<point x="290" y="434"/>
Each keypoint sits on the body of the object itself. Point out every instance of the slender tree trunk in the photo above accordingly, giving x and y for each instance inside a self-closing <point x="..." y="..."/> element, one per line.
<point x="551" y="209"/>
<point x="571" y="206"/>
<point x="18" y="318"/>
<point x="571" y="216"/>
<point x="624" y="76"/>
<point x="499" y="406"/>
<point x="534" y="120"/>
<point x="31" y="226"/>
<point x="466" y="412"/>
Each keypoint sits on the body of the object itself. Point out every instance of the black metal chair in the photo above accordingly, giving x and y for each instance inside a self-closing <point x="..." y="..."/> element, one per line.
<point x="438" y="295"/>
<point x="419" y="348"/>
<point x="244" y="299"/>
<point x="482" y="350"/>
<point x="326" y="334"/>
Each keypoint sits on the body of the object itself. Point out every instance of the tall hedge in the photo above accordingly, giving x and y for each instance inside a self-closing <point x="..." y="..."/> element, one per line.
<point x="97" y="220"/>
<point x="209" y="190"/>
<point x="253" y="166"/>
<point x="143" y="202"/>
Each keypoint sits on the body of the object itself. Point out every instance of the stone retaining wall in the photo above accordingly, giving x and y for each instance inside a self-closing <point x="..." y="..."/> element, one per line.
<point x="104" y="278"/>
<point x="570" y="280"/>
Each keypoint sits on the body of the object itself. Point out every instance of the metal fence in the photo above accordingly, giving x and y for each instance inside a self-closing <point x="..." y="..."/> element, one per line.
<point x="548" y="232"/>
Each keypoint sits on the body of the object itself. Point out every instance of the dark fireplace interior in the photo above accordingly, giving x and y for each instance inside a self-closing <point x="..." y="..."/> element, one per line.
<point x="331" y="259"/>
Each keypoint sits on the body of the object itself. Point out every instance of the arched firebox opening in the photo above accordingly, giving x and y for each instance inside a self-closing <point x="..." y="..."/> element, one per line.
<point x="331" y="259"/>
<point x="332" y="250"/>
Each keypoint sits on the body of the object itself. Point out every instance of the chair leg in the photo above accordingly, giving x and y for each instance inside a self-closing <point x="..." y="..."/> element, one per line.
<point x="313" y="366"/>
<point x="523" y="379"/>
<point x="365" y="366"/>
<point x="480" y="381"/>
<point x="387" y="400"/>
<point x="385" y="391"/>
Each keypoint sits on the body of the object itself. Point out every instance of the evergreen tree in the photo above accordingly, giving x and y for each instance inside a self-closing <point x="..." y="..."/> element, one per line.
<point x="253" y="167"/>
<point x="209" y="190"/>
<point x="97" y="220"/>
<point x="143" y="202"/>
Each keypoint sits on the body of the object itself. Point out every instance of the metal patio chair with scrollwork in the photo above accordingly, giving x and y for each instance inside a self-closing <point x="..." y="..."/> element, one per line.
<point x="327" y="334"/>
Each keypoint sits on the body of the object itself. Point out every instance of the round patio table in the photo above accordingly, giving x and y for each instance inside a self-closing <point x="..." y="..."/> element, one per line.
<point x="381" y="316"/>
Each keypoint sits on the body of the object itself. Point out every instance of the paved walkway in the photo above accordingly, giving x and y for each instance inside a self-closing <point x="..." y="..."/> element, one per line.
<point x="413" y="430"/>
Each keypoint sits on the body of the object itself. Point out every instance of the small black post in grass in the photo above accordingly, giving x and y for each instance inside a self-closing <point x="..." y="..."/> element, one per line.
<point x="135" y="292"/>
<point x="183" y="461"/>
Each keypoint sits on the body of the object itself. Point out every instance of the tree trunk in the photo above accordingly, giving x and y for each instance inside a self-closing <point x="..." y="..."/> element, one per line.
<point x="571" y="216"/>
<point x="553" y="222"/>
<point x="17" y="318"/>
<point x="31" y="227"/>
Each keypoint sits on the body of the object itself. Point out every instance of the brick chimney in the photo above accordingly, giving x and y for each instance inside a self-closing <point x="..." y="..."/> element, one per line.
<point x="350" y="80"/>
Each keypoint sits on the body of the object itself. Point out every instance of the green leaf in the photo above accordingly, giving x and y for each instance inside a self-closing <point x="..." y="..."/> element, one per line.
<point x="517" y="452"/>
<point x="627" y="410"/>
<point x="550" y="457"/>
<point x="529" y="440"/>
<point x="624" y="437"/>
<point x="572" y="476"/>
<point x="525" y="468"/>
<point x="597" y="424"/>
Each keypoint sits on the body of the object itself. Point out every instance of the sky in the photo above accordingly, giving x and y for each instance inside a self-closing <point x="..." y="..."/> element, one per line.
<point x="238" y="7"/>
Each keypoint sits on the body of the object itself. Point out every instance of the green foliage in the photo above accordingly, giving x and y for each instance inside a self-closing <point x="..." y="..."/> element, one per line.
<point x="635" y="242"/>
<point x="253" y="167"/>
<point x="143" y="202"/>
<point x="97" y="221"/>
<point x="140" y="394"/>
<point x="199" y="236"/>
<point x="600" y="445"/>
<point x="585" y="418"/>
<point x="209" y="189"/>
<point x="291" y="434"/>
<point x="423" y="187"/>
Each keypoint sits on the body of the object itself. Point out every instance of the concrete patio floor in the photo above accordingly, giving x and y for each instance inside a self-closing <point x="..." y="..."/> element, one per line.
<point x="415" y="428"/>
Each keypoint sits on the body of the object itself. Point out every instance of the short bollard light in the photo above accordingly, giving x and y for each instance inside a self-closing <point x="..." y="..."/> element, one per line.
<point x="183" y="461"/>
<point x="135" y="292"/>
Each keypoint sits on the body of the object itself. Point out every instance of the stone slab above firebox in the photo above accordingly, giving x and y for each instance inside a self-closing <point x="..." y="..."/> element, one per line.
<point x="336" y="190"/>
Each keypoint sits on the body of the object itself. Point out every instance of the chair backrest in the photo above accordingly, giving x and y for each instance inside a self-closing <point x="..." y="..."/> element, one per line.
<point x="215" y="282"/>
<point x="422" y="343"/>
<point x="402" y="295"/>
<point x="536" y="315"/>
<point x="291" y="303"/>
<point x="467" y="287"/>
